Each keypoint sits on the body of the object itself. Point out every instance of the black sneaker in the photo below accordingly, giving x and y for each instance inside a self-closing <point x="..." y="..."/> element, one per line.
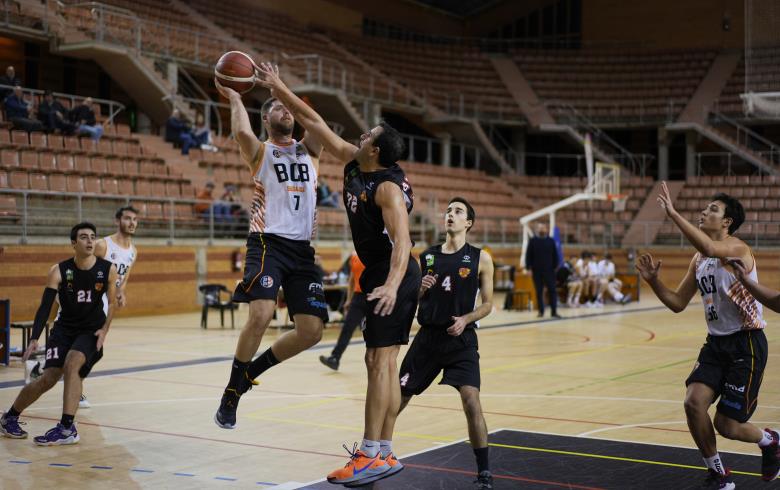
<point x="484" y="481"/>
<point x="716" y="481"/>
<point x="330" y="361"/>
<point x="245" y="384"/>
<point x="770" y="463"/>
<point x="226" y="414"/>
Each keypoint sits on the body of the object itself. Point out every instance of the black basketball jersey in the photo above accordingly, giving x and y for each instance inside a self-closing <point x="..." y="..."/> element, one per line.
<point x="369" y="235"/>
<point x="456" y="289"/>
<point x="81" y="295"/>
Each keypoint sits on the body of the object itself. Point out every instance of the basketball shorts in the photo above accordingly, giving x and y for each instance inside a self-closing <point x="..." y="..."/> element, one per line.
<point x="273" y="262"/>
<point x="63" y="340"/>
<point x="733" y="366"/>
<point x="393" y="329"/>
<point x="433" y="351"/>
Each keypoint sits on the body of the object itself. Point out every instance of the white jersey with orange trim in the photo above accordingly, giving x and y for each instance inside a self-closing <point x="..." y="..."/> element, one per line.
<point x="123" y="258"/>
<point x="728" y="306"/>
<point x="285" y="198"/>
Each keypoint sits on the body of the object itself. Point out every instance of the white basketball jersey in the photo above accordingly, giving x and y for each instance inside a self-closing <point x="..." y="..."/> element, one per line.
<point x="123" y="258"/>
<point x="285" y="198"/>
<point x="728" y="306"/>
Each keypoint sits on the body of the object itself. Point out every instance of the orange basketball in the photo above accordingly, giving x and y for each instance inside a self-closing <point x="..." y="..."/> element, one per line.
<point x="236" y="70"/>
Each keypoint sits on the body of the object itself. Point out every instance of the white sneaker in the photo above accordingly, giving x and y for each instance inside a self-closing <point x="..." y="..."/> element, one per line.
<point x="83" y="402"/>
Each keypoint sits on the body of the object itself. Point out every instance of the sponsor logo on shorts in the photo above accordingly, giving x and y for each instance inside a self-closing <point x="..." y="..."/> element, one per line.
<point x="404" y="379"/>
<point x="317" y="304"/>
<point x="464" y="272"/>
<point x="731" y="404"/>
<point x="267" y="281"/>
<point x="428" y="260"/>
<point x="315" y="287"/>
<point x="738" y="389"/>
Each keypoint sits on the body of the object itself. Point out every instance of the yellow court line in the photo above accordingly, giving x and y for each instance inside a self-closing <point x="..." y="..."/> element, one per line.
<point x="615" y="458"/>
<point x="298" y="405"/>
<point x="351" y="428"/>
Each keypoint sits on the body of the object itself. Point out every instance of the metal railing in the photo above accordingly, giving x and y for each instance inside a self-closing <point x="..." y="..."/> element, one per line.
<point x="747" y="137"/>
<point x="551" y="160"/>
<point x="117" y="26"/>
<point x="113" y="106"/>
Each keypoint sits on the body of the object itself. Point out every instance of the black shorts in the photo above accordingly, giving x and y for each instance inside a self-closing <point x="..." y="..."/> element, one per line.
<point x="733" y="365"/>
<point x="62" y="340"/>
<point x="393" y="329"/>
<point x="434" y="350"/>
<point x="273" y="262"/>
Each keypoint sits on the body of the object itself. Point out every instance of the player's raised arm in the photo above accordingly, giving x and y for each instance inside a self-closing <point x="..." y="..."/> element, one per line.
<point x="722" y="249"/>
<point x="316" y="127"/>
<point x="248" y="144"/>
<point x="676" y="300"/>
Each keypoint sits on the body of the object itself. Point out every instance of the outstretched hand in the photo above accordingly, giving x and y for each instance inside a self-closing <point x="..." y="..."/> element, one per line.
<point x="647" y="268"/>
<point x="665" y="199"/>
<point x="738" y="266"/>
<point x="267" y="75"/>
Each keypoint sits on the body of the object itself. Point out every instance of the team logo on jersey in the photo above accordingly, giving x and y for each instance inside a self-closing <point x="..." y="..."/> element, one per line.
<point x="364" y="196"/>
<point x="277" y="153"/>
<point x="464" y="272"/>
<point x="299" y="151"/>
<point x="68" y="275"/>
<point x="267" y="281"/>
<point x="113" y="255"/>
<point x="467" y="259"/>
<point x="99" y="287"/>
<point x="429" y="260"/>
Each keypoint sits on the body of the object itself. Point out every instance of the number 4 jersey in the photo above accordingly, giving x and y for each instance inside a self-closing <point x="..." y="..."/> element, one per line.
<point x="285" y="198"/>
<point x="457" y="285"/>
<point x="81" y="295"/>
<point x="728" y="306"/>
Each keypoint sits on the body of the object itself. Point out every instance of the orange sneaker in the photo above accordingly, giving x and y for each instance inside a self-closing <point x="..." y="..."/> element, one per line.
<point x="358" y="468"/>
<point x="395" y="465"/>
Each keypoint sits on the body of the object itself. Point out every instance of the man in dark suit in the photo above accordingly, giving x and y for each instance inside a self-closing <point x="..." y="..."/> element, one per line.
<point x="541" y="258"/>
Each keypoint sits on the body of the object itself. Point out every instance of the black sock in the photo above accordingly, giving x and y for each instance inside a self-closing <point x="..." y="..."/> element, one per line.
<point x="482" y="459"/>
<point x="67" y="420"/>
<point x="261" y="363"/>
<point x="236" y="374"/>
<point x="12" y="412"/>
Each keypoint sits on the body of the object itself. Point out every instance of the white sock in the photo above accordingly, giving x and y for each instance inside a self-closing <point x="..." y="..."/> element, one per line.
<point x="370" y="448"/>
<point x="715" y="463"/>
<point x="385" y="447"/>
<point x="766" y="440"/>
<point x="618" y="297"/>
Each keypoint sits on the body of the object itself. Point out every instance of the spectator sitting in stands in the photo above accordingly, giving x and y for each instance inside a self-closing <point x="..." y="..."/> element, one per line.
<point x="53" y="115"/>
<point x="325" y="196"/>
<point x="9" y="79"/>
<point x="221" y="210"/>
<point x="177" y="131"/>
<point x="230" y="198"/>
<point x="18" y="111"/>
<point x="84" y="117"/>
<point x="202" y="134"/>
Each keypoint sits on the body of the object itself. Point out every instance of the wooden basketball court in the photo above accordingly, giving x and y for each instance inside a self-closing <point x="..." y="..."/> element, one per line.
<point x="611" y="374"/>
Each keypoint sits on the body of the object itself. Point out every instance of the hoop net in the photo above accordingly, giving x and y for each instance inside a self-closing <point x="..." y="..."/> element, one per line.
<point x="618" y="202"/>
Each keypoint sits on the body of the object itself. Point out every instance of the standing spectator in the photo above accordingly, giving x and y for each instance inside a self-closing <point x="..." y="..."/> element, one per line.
<point x="177" y="132"/>
<point x="19" y="112"/>
<point x="11" y="80"/>
<point x="84" y="118"/>
<point x="541" y="258"/>
<point x="54" y="115"/>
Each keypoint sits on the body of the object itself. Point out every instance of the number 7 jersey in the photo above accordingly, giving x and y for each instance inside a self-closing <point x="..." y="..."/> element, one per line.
<point x="728" y="305"/>
<point x="285" y="197"/>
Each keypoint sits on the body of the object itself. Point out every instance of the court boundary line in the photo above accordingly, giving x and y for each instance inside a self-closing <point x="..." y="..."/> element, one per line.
<point x="207" y="360"/>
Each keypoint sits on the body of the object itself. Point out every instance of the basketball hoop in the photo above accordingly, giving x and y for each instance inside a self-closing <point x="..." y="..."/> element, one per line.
<point x="618" y="202"/>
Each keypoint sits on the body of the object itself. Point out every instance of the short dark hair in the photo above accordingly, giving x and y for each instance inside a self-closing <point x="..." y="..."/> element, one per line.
<point x="266" y="107"/>
<point x="734" y="210"/>
<point x="470" y="214"/>
<point x="121" y="211"/>
<point x="585" y="254"/>
<point x="74" y="232"/>
<point x="391" y="145"/>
